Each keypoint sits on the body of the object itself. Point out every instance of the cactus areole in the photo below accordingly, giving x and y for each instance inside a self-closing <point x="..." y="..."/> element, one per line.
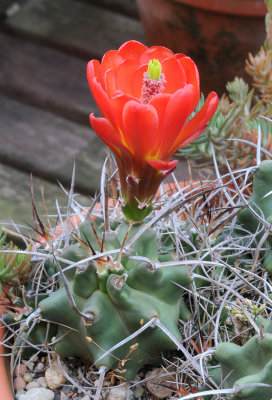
<point x="146" y="96"/>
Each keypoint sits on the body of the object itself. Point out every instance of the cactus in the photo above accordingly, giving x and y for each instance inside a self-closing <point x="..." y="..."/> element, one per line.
<point x="261" y="199"/>
<point x="252" y="362"/>
<point x="115" y="298"/>
<point x="261" y="203"/>
<point x="248" y="364"/>
<point x="117" y="293"/>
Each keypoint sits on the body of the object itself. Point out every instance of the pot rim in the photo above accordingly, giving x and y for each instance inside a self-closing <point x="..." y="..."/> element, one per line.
<point x="5" y="381"/>
<point x="247" y="8"/>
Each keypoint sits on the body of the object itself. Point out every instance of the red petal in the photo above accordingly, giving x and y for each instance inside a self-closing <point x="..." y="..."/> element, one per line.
<point x="118" y="103"/>
<point x="102" y="100"/>
<point x="107" y="134"/>
<point x="155" y="52"/>
<point x="198" y="122"/>
<point x="162" y="165"/>
<point x="192" y="75"/>
<point x="194" y="136"/>
<point x="93" y="70"/>
<point x="110" y="83"/>
<point x="180" y="55"/>
<point x="110" y="60"/>
<point x="159" y="102"/>
<point x="131" y="50"/>
<point x="174" y="75"/>
<point x="104" y="130"/>
<point x="177" y="111"/>
<point x="124" y="76"/>
<point x="137" y="82"/>
<point x="140" y="127"/>
<point x="190" y="69"/>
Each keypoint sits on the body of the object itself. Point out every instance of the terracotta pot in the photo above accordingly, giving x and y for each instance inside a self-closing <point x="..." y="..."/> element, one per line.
<point x="5" y="385"/>
<point x="218" y="35"/>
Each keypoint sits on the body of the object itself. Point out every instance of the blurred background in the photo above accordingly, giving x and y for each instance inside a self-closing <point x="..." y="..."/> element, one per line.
<point x="45" y="100"/>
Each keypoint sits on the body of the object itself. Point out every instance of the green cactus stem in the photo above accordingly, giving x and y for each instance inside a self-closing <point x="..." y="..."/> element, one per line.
<point x="261" y="203"/>
<point x="119" y="296"/>
<point x="248" y="364"/>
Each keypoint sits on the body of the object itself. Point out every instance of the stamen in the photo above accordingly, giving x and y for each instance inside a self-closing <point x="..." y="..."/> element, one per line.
<point x="151" y="87"/>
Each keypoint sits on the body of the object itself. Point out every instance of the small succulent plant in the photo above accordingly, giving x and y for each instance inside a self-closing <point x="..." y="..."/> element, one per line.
<point x="14" y="267"/>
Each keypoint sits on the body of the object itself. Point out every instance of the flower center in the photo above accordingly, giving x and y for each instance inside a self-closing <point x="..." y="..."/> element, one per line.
<point x="153" y="81"/>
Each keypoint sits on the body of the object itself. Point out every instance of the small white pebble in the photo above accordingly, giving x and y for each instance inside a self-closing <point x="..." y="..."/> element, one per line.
<point x="20" y="370"/>
<point x="42" y="382"/>
<point x="28" y="377"/>
<point x="117" y="393"/>
<point x="54" y="375"/>
<point x="32" y="385"/>
<point x="19" y="383"/>
<point x="38" y="393"/>
<point x="139" y="391"/>
<point x="19" y="392"/>
<point x="29" y="364"/>
<point x="39" y="366"/>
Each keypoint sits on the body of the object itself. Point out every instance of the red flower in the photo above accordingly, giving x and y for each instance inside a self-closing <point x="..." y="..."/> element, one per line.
<point x="146" y="120"/>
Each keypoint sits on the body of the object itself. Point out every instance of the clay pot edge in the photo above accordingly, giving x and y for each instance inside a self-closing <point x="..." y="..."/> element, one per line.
<point x="245" y="8"/>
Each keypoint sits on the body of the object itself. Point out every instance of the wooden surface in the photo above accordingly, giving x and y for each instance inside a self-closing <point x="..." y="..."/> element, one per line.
<point x="46" y="78"/>
<point x="16" y="206"/>
<point x="45" y="100"/>
<point x="40" y="142"/>
<point x="74" y="26"/>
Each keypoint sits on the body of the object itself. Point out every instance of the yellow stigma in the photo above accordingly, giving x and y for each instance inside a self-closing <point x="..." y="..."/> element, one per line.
<point x="154" y="70"/>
